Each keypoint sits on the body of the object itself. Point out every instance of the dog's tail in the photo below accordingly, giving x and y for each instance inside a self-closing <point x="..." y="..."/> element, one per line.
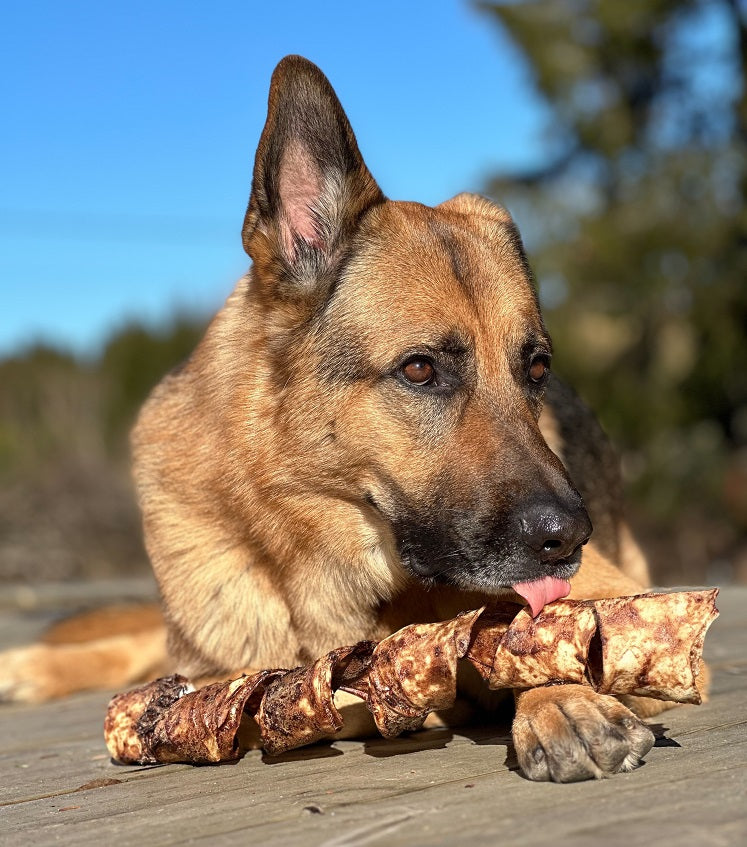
<point x="109" y="648"/>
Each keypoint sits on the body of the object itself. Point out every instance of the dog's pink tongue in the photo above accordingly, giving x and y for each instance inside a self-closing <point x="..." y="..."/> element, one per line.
<point x="541" y="591"/>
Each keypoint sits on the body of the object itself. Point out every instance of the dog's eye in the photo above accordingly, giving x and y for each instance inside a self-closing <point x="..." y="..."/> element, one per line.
<point x="419" y="371"/>
<point x="538" y="368"/>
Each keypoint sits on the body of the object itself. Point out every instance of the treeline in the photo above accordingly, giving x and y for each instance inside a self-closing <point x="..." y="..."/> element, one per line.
<point x="66" y="502"/>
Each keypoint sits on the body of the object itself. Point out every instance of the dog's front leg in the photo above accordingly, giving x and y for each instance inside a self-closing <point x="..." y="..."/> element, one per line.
<point x="567" y="733"/>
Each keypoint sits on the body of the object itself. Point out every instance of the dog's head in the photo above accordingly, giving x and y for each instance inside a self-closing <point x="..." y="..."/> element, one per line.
<point x="411" y="354"/>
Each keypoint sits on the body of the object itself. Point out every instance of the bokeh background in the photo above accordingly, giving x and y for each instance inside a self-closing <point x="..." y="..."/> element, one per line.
<point x="615" y="132"/>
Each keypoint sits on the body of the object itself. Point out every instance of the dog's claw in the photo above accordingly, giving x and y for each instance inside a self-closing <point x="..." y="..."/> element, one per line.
<point x="569" y="733"/>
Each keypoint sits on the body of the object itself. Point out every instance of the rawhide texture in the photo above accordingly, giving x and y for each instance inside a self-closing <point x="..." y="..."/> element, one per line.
<point x="413" y="673"/>
<point x="649" y="653"/>
<point x="649" y="645"/>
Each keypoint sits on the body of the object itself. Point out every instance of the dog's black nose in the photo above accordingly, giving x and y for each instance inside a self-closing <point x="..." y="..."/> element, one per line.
<point x="554" y="532"/>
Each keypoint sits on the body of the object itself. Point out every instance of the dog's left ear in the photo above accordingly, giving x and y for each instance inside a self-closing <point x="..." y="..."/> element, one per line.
<point x="311" y="186"/>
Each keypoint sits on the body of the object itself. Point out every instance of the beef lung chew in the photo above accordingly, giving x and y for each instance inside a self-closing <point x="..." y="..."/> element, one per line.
<point x="652" y="654"/>
<point x="513" y="650"/>
<point x="649" y="645"/>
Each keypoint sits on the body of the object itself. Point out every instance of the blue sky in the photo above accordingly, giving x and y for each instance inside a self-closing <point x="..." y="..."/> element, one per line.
<point x="129" y="132"/>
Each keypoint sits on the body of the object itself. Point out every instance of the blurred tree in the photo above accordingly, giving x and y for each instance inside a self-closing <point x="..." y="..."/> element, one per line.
<point x="134" y="360"/>
<point x="637" y="229"/>
<point x="67" y="508"/>
<point x="50" y="409"/>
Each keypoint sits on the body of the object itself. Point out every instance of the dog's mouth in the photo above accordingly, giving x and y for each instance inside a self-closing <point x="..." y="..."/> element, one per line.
<point x="539" y="583"/>
<point x="474" y="555"/>
<point x="536" y="582"/>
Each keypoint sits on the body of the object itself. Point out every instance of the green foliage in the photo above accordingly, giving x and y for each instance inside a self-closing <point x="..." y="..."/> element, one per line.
<point x="637" y="231"/>
<point x="55" y="407"/>
<point x="67" y="509"/>
<point x="49" y="405"/>
<point x="133" y="361"/>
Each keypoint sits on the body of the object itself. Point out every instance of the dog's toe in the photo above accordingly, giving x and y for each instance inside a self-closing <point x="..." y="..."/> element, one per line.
<point x="569" y="733"/>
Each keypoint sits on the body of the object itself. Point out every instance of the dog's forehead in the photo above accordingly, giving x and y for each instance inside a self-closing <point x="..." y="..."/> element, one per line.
<point x="459" y="266"/>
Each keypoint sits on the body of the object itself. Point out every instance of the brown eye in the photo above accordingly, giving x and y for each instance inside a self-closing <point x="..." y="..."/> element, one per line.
<point x="419" y="371"/>
<point x="537" y="369"/>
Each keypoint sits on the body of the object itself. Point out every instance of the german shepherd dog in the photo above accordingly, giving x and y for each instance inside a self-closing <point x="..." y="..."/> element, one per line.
<point x="367" y="436"/>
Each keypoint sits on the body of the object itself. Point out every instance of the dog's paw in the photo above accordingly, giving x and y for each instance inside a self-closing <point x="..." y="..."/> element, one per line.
<point x="567" y="733"/>
<point x="22" y="675"/>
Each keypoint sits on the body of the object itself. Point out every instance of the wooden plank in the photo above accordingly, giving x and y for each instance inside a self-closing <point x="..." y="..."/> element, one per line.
<point x="431" y="788"/>
<point x="406" y="798"/>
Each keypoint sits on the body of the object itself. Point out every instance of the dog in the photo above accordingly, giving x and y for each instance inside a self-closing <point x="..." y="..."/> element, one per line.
<point x="368" y="436"/>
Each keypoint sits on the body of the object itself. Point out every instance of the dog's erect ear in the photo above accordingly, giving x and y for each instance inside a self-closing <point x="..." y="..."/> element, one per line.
<point x="310" y="185"/>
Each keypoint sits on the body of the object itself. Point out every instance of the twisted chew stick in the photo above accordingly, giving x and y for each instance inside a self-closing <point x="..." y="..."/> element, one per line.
<point x="648" y="645"/>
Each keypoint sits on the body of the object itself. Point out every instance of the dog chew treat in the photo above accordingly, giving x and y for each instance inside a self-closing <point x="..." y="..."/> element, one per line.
<point x="168" y="721"/>
<point x="650" y="654"/>
<point x="649" y="645"/>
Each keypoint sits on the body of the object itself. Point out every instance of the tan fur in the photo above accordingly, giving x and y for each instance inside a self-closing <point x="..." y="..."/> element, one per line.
<point x="278" y="468"/>
<point x="344" y="566"/>
<point x="43" y="672"/>
<point x="107" y="622"/>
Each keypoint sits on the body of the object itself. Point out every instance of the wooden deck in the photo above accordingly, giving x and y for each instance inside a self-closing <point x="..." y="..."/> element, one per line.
<point x="58" y="785"/>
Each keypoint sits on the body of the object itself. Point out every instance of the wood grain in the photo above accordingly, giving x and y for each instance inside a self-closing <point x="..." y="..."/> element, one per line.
<point x="437" y="787"/>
